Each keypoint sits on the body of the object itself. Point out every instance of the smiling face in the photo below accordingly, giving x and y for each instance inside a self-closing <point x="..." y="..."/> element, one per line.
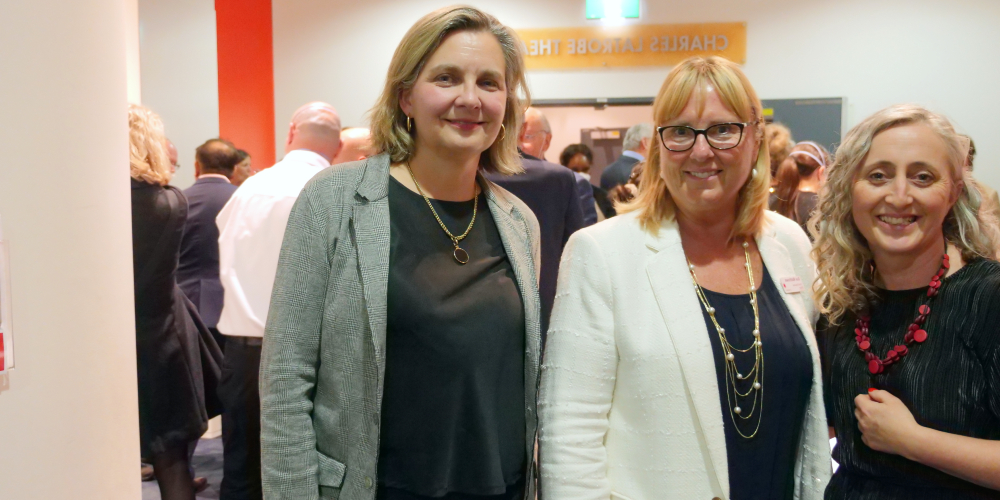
<point x="702" y="180"/>
<point x="458" y="101"/>
<point x="903" y="191"/>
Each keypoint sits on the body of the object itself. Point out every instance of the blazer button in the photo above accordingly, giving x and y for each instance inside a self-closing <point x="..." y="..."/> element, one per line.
<point x="716" y="498"/>
<point x="368" y="482"/>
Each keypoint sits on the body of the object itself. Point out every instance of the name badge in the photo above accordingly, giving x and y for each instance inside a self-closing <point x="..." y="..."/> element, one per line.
<point x="792" y="284"/>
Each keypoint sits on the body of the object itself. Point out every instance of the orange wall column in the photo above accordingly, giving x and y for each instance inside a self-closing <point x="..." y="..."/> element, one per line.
<point x="246" y="77"/>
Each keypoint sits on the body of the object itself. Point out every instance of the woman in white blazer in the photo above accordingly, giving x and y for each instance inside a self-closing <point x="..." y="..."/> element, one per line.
<point x="670" y="370"/>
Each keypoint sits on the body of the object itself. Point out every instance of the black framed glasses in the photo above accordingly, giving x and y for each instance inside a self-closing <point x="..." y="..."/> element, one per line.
<point x="679" y="138"/>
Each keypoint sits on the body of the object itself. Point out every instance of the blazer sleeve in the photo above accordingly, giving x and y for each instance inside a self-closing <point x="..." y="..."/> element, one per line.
<point x="578" y="377"/>
<point x="290" y="358"/>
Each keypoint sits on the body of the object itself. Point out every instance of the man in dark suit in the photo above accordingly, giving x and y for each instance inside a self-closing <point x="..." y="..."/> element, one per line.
<point x="635" y="146"/>
<point x="198" y="271"/>
<point x="534" y="139"/>
<point x="550" y="192"/>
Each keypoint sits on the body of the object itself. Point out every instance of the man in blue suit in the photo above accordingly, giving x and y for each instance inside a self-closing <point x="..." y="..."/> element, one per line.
<point x="636" y="147"/>
<point x="534" y="139"/>
<point x="198" y="270"/>
<point x="551" y="192"/>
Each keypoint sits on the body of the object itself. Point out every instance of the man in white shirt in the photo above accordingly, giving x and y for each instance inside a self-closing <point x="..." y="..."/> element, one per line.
<point x="251" y="228"/>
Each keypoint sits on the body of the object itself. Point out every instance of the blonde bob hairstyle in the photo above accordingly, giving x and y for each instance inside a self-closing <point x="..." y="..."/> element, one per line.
<point x="686" y="80"/>
<point x="388" y="122"/>
<point x="148" y="160"/>
<point x="844" y="280"/>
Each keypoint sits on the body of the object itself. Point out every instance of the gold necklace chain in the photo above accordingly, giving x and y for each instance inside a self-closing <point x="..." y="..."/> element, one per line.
<point x="459" y="253"/>
<point x="733" y="375"/>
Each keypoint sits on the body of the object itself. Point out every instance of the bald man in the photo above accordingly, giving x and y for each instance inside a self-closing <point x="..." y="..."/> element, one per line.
<point x="534" y="139"/>
<point x="251" y="227"/>
<point x="355" y="144"/>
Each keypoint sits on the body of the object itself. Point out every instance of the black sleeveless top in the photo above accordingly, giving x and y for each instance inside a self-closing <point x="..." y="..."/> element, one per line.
<point x="453" y="421"/>
<point x="951" y="383"/>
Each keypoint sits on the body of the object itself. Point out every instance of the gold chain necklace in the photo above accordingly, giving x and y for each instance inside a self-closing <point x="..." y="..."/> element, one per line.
<point x="755" y="377"/>
<point x="461" y="256"/>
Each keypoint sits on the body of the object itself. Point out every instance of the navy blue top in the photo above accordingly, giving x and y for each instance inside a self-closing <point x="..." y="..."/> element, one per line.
<point x="762" y="467"/>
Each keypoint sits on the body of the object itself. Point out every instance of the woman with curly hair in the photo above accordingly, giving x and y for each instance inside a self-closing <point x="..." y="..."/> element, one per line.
<point x="912" y="295"/>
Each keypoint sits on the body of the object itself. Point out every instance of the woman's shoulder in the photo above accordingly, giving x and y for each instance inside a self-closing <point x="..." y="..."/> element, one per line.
<point x="787" y="231"/>
<point x="348" y="178"/>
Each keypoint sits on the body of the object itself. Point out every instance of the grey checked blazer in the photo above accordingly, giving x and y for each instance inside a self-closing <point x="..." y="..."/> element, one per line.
<point x="323" y="361"/>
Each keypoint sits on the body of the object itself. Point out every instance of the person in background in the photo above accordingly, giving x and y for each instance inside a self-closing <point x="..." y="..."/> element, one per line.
<point x="243" y="170"/>
<point x="627" y="192"/>
<point x="550" y="191"/>
<point x="911" y="294"/>
<point x="677" y="366"/>
<point x="355" y="144"/>
<point x="251" y="226"/>
<point x="534" y="140"/>
<point x="172" y="361"/>
<point x="990" y="201"/>
<point x="198" y="269"/>
<point x="779" y="145"/>
<point x="402" y="350"/>
<point x="635" y="148"/>
<point x="579" y="158"/>
<point x="800" y="178"/>
<point x="172" y="156"/>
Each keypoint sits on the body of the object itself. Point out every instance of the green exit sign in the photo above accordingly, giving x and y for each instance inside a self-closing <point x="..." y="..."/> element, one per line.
<point x="612" y="9"/>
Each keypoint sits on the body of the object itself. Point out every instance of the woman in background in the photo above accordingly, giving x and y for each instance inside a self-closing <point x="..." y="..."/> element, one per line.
<point x="800" y="177"/>
<point x="171" y="353"/>
<point x="908" y="283"/>
<point x="579" y="158"/>
<point x="244" y="169"/>
<point x="779" y="144"/>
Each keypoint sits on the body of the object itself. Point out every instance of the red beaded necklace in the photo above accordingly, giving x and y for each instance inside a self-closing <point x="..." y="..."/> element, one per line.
<point x="914" y="333"/>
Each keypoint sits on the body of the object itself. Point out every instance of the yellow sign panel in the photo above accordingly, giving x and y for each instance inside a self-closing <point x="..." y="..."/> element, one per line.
<point x="632" y="45"/>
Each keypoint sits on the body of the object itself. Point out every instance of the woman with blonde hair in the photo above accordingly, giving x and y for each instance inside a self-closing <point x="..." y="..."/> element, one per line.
<point x="908" y="285"/>
<point x="681" y="361"/>
<point x="177" y="360"/>
<point x="402" y="345"/>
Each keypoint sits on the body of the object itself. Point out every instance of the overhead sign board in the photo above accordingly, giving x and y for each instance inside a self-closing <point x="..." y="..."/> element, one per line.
<point x="632" y="45"/>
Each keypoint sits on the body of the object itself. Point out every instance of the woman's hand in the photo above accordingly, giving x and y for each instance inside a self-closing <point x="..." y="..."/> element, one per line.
<point x="886" y="423"/>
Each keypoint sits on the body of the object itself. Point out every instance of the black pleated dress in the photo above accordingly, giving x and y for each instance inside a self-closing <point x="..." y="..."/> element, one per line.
<point x="951" y="383"/>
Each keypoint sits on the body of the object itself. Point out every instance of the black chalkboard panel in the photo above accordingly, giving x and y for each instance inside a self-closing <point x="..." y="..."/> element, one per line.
<point x="819" y="120"/>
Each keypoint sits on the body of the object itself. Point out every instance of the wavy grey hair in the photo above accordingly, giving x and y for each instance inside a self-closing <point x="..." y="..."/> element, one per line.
<point x="844" y="282"/>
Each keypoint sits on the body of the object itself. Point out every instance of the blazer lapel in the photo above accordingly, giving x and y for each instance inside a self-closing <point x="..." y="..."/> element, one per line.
<point x="370" y="221"/>
<point x="779" y="265"/>
<point x="514" y="232"/>
<point x="673" y="289"/>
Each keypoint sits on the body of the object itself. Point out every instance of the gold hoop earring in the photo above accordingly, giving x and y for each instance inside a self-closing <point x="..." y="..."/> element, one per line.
<point x="409" y="124"/>
<point x="503" y="131"/>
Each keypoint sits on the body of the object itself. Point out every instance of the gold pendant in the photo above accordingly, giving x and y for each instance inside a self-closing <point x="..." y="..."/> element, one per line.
<point x="461" y="255"/>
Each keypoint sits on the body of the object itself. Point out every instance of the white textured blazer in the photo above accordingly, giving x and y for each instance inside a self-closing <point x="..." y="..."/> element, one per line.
<point x="629" y="406"/>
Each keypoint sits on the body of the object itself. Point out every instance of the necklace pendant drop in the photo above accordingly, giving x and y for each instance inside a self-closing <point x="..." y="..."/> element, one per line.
<point x="461" y="256"/>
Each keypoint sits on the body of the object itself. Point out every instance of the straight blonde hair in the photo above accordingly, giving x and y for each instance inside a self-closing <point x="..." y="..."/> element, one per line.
<point x="844" y="281"/>
<point x="654" y="202"/>
<point x="388" y="122"/>
<point x="148" y="160"/>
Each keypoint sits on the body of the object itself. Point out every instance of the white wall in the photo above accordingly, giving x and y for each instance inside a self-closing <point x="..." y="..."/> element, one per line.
<point x="939" y="54"/>
<point x="180" y="76"/>
<point x="68" y="410"/>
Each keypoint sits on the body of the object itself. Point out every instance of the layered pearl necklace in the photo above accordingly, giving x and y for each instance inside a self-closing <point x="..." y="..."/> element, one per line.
<point x="753" y="380"/>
